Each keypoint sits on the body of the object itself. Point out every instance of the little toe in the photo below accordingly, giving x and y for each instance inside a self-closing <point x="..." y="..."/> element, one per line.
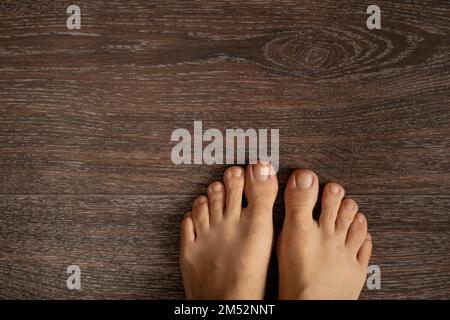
<point x="216" y="199"/>
<point x="300" y="197"/>
<point x="200" y="215"/>
<point x="234" y="184"/>
<point x="332" y="196"/>
<point x="365" y="251"/>
<point x="261" y="186"/>
<point x="346" y="215"/>
<point x="187" y="231"/>
<point x="357" y="232"/>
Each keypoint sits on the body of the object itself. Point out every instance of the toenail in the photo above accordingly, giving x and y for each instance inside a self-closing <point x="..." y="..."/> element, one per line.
<point x="304" y="180"/>
<point x="368" y="237"/>
<point x="201" y="200"/>
<point x="262" y="173"/>
<point x="335" y="189"/>
<point x="216" y="187"/>
<point x="360" y="218"/>
<point x="236" y="172"/>
<point x="349" y="205"/>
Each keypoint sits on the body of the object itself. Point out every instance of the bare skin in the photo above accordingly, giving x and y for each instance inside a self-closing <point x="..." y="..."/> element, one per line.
<point x="225" y="249"/>
<point x="324" y="259"/>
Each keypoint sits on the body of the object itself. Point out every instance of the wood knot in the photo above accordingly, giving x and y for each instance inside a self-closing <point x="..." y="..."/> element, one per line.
<point x="304" y="53"/>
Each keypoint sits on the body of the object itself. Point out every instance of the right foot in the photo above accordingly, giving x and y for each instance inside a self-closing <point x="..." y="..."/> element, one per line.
<point x="225" y="249"/>
<point x="324" y="259"/>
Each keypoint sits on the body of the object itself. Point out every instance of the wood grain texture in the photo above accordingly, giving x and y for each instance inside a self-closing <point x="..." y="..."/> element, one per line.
<point x="127" y="246"/>
<point x="86" y="118"/>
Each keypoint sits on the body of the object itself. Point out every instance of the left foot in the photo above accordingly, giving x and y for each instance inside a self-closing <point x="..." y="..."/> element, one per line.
<point x="225" y="249"/>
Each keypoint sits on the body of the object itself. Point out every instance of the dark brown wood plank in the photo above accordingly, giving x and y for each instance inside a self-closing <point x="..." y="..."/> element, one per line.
<point x="399" y="148"/>
<point x="92" y="112"/>
<point x="127" y="246"/>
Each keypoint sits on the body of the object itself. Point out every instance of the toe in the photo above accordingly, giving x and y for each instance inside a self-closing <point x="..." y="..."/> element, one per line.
<point x="357" y="232"/>
<point x="187" y="231"/>
<point x="216" y="199"/>
<point x="200" y="215"/>
<point x="331" y="201"/>
<point x="234" y="185"/>
<point x="346" y="214"/>
<point x="300" y="197"/>
<point x="365" y="251"/>
<point x="261" y="186"/>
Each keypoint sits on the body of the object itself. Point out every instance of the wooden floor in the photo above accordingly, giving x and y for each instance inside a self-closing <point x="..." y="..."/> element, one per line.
<point x="86" y="117"/>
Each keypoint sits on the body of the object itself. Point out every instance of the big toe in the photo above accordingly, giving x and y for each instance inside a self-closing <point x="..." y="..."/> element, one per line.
<point x="261" y="185"/>
<point x="300" y="197"/>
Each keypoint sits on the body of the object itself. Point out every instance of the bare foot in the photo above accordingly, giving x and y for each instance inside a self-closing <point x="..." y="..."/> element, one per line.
<point x="225" y="249"/>
<point x="325" y="259"/>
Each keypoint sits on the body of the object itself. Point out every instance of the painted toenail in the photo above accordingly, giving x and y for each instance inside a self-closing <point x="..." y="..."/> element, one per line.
<point x="216" y="187"/>
<point x="304" y="180"/>
<point x="236" y="172"/>
<point x="360" y="218"/>
<point x="262" y="173"/>
<point x="335" y="189"/>
<point x="349" y="205"/>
